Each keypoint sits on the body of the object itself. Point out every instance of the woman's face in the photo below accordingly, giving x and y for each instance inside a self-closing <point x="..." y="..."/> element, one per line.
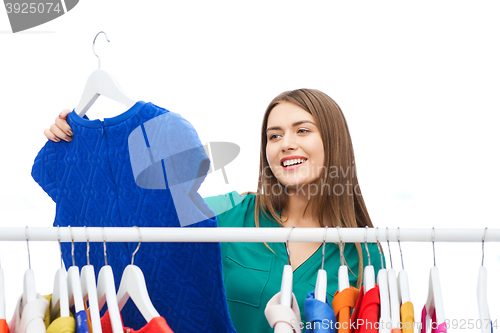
<point x="294" y="149"/>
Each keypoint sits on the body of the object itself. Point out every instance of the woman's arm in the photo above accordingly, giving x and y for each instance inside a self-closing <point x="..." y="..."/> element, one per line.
<point x="60" y="128"/>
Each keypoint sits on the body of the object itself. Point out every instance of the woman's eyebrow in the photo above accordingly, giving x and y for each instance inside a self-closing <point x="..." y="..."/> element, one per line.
<point x="297" y="123"/>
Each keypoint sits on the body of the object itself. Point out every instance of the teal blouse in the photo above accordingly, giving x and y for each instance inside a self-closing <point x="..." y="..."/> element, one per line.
<point x="252" y="273"/>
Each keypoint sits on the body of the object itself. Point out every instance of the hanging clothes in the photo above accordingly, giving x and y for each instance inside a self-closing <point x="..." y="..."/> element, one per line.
<point x="277" y="313"/>
<point x="436" y="327"/>
<point x="4" y="327"/>
<point x="407" y="317"/>
<point x="156" y="325"/>
<point x="59" y="324"/>
<point x="342" y="304"/>
<point x="143" y="168"/>
<point x="253" y="272"/>
<point x="367" y="311"/>
<point x="319" y="315"/>
<point x="81" y="319"/>
<point x="30" y="318"/>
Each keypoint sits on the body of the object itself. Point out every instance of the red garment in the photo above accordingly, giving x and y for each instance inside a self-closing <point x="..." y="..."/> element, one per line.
<point x="4" y="328"/>
<point x="156" y="325"/>
<point x="367" y="311"/>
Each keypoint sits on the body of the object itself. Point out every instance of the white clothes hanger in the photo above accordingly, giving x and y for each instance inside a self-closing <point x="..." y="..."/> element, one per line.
<point x="403" y="285"/>
<point x="369" y="271"/>
<point x="101" y="83"/>
<point x="89" y="291"/>
<point x="393" y="289"/>
<point x="321" y="280"/>
<point x="60" y="299"/>
<point x="106" y="292"/>
<point x="482" y="300"/>
<point x="75" y="295"/>
<point x="343" y="276"/>
<point x="383" y="285"/>
<point x="434" y="297"/>
<point x="29" y="289"/>
<point x="133" y="286"/>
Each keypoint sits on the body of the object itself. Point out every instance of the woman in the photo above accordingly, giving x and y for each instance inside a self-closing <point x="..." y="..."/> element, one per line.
<point x="307" y="178"/>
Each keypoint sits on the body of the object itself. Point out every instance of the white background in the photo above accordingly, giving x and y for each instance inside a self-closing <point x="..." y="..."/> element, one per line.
<point x="418" y="83"/>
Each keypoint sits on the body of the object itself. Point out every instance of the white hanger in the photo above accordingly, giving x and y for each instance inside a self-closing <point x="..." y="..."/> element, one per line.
<point x="321" y="280"/>
<point x="383" y="285"/>
<point x="106" y="292"/>
<point x="75" y="296"/>
<point x="286" y="290"/>
<point x="403" y="285"/>
<point x="393" y="289"/>
<point x="101" y="83"/>
<point x="29" y="289"/>
<point x="89" y="291"/>
<point x="133" y="285"/>
<point x="482" y="301"/>
<point x="369" y="272"/>
<point x="434" y="297"/>
<point x="343" y="276"/>
<point x="59" y="300"/>
<point x="2" y="294"/>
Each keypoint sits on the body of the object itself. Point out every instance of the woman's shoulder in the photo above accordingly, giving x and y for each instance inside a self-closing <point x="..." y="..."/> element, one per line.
<point x="232" y="205"/>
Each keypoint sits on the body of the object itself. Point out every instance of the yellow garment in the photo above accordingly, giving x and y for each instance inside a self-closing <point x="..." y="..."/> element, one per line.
<point x="407" y="317"/>
<point x="58" y="325"/>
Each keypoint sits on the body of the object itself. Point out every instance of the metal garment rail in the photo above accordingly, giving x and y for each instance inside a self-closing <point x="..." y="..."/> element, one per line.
<point x="270" y="235"/>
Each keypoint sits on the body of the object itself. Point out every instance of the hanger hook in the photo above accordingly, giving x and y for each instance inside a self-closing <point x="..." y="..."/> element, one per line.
<point x="59" y="242"/>
<point x="342" y="259"/>
<point x="366" y="246"/>
<point x="433" y="249"/>
<point x="484" y="236"/>
<point x="28" y="245"/>
<point x="138" y="245"/>
<point x="324" y="241"/>
<point x="402" y="264"/>
<point x="104" y="244"/>
<point x="88" y="245"/>
<point x="387" y="237"/>
<point x="287" y="249"/>
<point x="93" y="50"/>
<point x="380" y="250"/>
<point x="72" y="245"/>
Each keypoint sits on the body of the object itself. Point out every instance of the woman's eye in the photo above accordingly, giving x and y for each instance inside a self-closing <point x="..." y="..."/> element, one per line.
<point x="303" y="130"/>
<point x="274" y="136"/>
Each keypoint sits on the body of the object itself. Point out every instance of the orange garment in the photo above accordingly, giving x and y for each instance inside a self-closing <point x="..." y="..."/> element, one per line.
<point x="407" y="317"/>
<point x="89" y="322"/>
<point x="4" y="328"/>
<point x="396" y="330"/>
<point x="342" y="304"/>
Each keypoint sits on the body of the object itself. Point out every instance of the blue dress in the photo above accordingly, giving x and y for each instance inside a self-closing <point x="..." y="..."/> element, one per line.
<point x="142" y="168"/>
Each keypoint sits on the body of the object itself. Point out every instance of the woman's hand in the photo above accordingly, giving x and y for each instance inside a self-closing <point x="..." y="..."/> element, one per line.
<point x="60" y="129"/>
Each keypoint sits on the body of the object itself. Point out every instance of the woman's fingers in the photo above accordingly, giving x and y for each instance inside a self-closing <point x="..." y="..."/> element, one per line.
<point x="60" y="129"/>
<point x="62" y="124"/>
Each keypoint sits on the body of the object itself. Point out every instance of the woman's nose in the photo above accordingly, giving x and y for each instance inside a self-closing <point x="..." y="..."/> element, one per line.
<point x="288" y="143"/>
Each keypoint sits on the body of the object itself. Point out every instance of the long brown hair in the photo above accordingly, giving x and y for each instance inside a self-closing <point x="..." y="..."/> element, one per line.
<point x="339" y="196"/>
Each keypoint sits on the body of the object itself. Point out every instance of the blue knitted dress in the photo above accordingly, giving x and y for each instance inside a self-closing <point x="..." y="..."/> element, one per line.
<point x="142" y="168"/>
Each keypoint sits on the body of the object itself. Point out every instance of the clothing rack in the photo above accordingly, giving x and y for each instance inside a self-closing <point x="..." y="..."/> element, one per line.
<point x="269" y="235"/>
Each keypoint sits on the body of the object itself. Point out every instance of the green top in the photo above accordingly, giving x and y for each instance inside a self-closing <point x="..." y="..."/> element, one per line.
<point x="252" y="273"/>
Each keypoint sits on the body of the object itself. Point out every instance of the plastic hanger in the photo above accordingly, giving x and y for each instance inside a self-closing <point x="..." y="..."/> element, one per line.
<point x="321" y="281"/>
<point x="403" y="285"/>
<point x="89" y="291"/>
<point x="106" y="292"/>
<point x="385" y="308"/>
<point x="75" y="296"/>
<point x="59" y="300"/>
<point x="29" y="289"/>
<point x="434" y="298"/>
<point x="482" y="301"/>
<point x="133" y="286"/>
<point x="343" y="273"/>
<point x="369" y="272"/>
<point x="393" y="289"/>
<point x="101" y="83"/>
